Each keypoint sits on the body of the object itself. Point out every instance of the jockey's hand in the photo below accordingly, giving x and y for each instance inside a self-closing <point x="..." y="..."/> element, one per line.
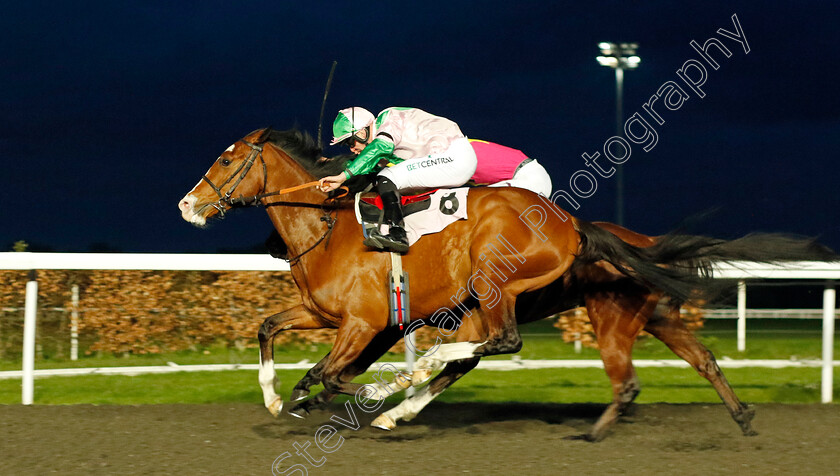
<point x="328" y="184"/>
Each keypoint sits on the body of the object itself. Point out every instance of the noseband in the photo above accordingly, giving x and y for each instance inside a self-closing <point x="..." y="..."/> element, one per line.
<point x="242" y="171"/>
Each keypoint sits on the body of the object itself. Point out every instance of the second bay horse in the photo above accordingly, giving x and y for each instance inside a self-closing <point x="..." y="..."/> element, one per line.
<point x="619" y="310"/>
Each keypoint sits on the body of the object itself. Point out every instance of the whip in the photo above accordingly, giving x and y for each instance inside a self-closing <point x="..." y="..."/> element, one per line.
<point x="324" y="102"/>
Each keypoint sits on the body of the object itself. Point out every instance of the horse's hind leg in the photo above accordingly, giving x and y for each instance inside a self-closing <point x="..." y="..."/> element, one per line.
<point x="470" y="330"/>
<point x="670" y="329"/>
<point x="617" y="321"/>
<point x="410" y="407"/>
<point x="502" y="337"/>
<point x="297" y="317"/>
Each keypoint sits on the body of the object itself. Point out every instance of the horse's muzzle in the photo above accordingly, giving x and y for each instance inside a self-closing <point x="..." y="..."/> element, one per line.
<point x="188" y="212"/>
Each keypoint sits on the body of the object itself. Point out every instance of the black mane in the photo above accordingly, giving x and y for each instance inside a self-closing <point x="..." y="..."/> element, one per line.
<point x="301" y="147"/>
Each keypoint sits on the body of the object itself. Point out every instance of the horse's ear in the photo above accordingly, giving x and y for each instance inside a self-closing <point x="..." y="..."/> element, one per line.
<point x="264" y="136"/>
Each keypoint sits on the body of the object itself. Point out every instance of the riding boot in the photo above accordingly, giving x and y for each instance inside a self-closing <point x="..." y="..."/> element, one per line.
<point x="392" y="209"/>
<point x="396" y="239"/>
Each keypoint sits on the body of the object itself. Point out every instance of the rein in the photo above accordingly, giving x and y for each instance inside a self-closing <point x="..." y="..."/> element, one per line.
<point x="330" y="223"/>
<point x="256" y="200"/>
<point x="246" y="201"/>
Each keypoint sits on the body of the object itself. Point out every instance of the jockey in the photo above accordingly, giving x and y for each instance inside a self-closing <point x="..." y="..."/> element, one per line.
<point x="500" y="166"/>
<point x="423" y="151"/>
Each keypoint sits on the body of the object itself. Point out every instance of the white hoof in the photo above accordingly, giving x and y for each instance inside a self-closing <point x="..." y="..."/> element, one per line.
<point x="404" y="381"/>
<point x="384" y="422"/>
<point x="275" y="407"/>
<point x="419" y="377"/>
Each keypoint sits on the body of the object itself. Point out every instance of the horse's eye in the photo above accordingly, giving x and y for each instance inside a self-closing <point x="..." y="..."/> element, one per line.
<point x="225" y="162"/>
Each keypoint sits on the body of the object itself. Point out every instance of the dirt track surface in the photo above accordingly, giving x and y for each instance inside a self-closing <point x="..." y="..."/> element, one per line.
<point x="445" y="439"/>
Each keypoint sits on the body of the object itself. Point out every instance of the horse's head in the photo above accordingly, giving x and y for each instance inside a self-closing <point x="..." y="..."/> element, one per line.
<point x="231" y="176"/>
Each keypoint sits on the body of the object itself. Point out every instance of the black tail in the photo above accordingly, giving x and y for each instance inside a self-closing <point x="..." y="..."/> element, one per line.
<point x="758" y="247"/>
<point x="681" y="265"/>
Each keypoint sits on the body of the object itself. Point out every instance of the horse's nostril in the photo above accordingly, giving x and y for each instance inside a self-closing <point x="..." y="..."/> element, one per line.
<point x="184" y="205"/>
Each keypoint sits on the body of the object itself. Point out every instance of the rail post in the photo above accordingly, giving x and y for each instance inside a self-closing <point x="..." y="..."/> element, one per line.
<point x="409" y="361"/>
<point x="29" y="322"/>
<point x="829" y="302"/>
<point x="74" y="324"/>
<point x="742" y="315"/>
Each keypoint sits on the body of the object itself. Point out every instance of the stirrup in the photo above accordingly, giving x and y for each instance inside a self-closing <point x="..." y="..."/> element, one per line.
<point x="373" y="240"/>
<point x="386" y="242"/>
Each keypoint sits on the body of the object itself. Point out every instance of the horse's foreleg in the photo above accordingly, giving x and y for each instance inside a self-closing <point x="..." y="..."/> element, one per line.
<point x="297" y="317"/>
<point x="353" y="357"/>
<point x="312" y="377"/>
<point x="325" y="396"/>
<point x="673" y="333"/>
<point x="352" y="340"/>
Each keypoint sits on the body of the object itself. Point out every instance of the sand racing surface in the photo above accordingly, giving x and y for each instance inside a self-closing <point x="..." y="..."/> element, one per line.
<point x="479" y="438"/>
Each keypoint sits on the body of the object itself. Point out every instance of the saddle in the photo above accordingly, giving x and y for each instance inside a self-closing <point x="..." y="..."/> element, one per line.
<point x="425" y="213"/>
<point x="370" y="205"/>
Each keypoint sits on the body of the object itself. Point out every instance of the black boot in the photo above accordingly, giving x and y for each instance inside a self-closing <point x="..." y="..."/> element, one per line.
<point x="396" y="239"/>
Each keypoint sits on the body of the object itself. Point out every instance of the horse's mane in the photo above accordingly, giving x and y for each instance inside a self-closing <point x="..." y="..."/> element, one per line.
<point x="301" y="147"/>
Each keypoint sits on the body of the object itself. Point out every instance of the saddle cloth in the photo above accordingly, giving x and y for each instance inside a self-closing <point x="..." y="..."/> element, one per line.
<point x="424" y="214"/>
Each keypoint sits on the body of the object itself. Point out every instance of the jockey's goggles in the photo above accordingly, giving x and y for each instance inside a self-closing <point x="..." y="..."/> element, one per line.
<point x="350" y="141"/>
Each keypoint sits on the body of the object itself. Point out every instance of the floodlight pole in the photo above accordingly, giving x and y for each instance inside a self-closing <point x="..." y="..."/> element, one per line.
<point x="619" y="122"/>
<point x="619" y="56"/>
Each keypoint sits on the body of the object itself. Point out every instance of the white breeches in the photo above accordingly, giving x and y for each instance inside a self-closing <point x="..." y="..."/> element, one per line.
<point x="451" y="168"/>
<point x="531" y="176"/>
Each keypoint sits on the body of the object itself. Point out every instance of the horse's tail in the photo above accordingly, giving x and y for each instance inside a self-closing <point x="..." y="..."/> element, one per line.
<point x="758" y="247"/>
<point x="681" y="265"/>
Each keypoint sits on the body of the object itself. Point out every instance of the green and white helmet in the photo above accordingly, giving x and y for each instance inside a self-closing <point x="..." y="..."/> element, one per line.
<point x="349" y="121"/>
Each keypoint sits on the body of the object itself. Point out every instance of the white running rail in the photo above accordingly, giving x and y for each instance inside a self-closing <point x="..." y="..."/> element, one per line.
<point x="742" y="271"/>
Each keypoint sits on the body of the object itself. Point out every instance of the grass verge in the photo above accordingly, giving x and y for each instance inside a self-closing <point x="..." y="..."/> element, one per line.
<point x="754" y="385"/>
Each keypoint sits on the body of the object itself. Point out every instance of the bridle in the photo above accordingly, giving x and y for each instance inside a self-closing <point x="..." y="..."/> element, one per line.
<point x="244" y="168"/>
<point x="227" y="201"/>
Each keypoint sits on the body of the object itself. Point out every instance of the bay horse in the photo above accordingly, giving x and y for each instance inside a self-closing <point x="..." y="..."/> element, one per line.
<point x="619" y="310"/>
<point x="340" y="279"/>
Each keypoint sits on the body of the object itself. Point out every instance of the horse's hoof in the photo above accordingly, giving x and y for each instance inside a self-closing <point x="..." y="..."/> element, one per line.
<point x="275" y="406"/>
<point x="299" y="394"/>
<point x="747" y="414"/>
<point x="584" y="437"/>
<point x="299" y="412"/>
<point x="384" y="422"/>
<point x="404" y="381"/>
<point x="744" y="420"/>
<point x="419" y="377"/>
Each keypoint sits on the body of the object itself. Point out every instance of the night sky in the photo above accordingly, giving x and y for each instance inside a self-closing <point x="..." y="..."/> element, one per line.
<point x="112" y="111"/>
